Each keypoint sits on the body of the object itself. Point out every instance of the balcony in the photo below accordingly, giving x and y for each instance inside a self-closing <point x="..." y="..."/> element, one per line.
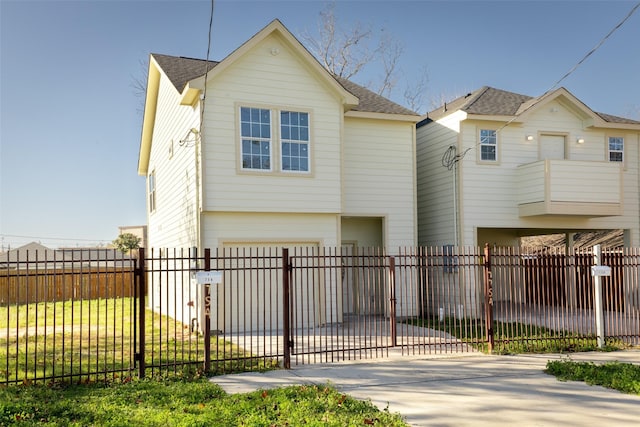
<point x="567" y="187"/>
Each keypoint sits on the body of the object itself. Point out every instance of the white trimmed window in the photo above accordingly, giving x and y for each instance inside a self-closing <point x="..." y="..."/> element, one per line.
<point x="616" y="149"/>
<point x="294" y="141"/>
<point x="255" y="133"/>
<point x="488" y="145"/>
<point x="152" y="191"/>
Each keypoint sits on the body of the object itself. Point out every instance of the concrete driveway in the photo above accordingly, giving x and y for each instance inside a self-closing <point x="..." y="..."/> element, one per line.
<point x="473" y="390"/>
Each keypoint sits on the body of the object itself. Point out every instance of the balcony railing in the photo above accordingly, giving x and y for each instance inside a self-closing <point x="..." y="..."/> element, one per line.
<point x="568" y="187"/>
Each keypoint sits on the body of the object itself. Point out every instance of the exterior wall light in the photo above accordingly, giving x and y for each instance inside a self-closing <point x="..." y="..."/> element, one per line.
<point x="529" y="137"/>
<point x="580" y="140"/>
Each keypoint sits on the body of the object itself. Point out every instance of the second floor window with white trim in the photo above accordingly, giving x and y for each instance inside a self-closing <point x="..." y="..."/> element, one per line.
<point x="294" y="135"/>
<point x="488" y="145"/>
<point x="616" y="149"/>
<point x="255" y="132"/>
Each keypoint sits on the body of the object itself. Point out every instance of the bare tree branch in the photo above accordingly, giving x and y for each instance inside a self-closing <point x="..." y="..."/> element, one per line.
<point x="389" y="50"/>
<point x="139" y="85"/>
<point x="415" y="94"/>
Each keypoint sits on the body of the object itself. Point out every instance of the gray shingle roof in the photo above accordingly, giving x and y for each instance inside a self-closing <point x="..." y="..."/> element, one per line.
<point x="496" y="102"/>
<point x="181" y="70"/>
<point x="370" y="101"/>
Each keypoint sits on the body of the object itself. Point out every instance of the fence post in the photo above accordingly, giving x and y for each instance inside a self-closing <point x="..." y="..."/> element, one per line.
<point x="597" y="285"/>
<point x="141" y="279"/>
<point x="207" y="314"/>
<point x="488" y="297"/>
<point x="392" y="300"/>
<point x="286" y="315"/>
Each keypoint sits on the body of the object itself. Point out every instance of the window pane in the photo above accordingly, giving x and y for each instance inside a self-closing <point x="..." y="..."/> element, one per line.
<point x="304" y="119"/>
<point x="284" y="118"/>
<point x="304" y="134"/>
<point x="295" y="133"/>
<point x="285" y="132"/>
<point x="245" y="114"/>
<point x="285" y="149"/>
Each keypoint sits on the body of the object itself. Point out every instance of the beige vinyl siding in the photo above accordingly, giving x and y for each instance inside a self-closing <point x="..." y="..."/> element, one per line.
<point x="222" y="228"/>
<point x="490" y="194"/>
<point x="173" y="224"/>
<point x="379" y="176"/>
<point x="435" y="182"/>
<point x="278" y="82"/>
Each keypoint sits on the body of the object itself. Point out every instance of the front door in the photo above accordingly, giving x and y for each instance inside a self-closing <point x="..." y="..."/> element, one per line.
<point x="552" y="147"/>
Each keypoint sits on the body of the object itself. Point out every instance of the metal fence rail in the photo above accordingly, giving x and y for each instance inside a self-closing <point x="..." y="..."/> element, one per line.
<point x="65" y="318"/>
<point x="82" y="318"/>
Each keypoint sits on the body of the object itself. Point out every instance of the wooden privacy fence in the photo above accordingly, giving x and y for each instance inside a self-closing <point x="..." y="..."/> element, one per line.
<point x="41" y="285"/>
<point x="239" y="309"/>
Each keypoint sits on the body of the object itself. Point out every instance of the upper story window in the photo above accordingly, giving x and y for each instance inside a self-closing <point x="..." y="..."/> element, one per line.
<point x="152" y="191"/>
<point x="616" y="149"/>
<point x="255" y="132"/>
<point x="488" y="145"/>
<point x="259" y="127"/>
<point x="294" y="136"/>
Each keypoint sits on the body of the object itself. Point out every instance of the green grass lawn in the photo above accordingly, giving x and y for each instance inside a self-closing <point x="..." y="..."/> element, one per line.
<point x="184" y="403"/>
<point x="624" y="377"/>
<point x="74" y="338"/>
<point x="515" y="338"/>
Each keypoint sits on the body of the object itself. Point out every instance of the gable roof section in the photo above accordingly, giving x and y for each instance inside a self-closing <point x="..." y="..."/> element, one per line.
<point x="500" y="104"/>
<point x="187" y="75"/>
<point x="181" y="70"/>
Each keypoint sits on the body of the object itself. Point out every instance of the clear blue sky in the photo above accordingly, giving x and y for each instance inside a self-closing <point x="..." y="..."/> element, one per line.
<point x="70" y="122"/>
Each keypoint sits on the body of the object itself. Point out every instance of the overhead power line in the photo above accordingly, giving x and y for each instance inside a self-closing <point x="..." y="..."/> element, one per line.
<point x="578" y="64"/>
<point x="450" y="158"/>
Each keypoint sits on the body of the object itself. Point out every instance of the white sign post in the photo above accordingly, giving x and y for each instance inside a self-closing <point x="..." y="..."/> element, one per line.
<point x="597" y="271"/>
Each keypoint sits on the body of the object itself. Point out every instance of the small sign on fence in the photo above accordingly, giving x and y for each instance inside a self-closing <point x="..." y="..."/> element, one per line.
<point x="600" y="270"/>
<point x="209" y="277"/>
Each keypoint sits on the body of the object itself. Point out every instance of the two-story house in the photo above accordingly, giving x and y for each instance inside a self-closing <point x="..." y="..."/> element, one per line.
<point x="266" y="148"/>
<point x="494" y="166"/>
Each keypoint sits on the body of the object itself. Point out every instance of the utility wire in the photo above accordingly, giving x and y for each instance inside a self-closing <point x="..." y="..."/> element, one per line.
<point x="53" y="238"/>
<point x="575" y="67"/>
<point x="449" y="158"/>
<point x="206" y="65"/>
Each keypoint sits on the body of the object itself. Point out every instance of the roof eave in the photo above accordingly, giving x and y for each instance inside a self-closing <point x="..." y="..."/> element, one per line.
<point x="383" y="116"/>
<point x="149" y="118"/>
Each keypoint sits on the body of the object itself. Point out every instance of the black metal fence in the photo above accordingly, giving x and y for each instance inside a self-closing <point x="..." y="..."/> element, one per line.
<point x="160" y="313"/>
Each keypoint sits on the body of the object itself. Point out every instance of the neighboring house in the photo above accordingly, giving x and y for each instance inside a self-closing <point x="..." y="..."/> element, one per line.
<point x="37" y="256"/>
<point x="31" y="256"/>
<point x="266" y="148"/>
<point x="137" y="230"/>
<point x="494" y="166"/>
<point x="525" y="166"/>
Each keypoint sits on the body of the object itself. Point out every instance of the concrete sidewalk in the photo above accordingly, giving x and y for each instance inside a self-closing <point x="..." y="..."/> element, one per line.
<point x="474" y="390"/>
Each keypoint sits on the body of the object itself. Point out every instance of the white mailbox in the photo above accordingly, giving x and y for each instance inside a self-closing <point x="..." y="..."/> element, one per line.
<point x="209" y="277"/>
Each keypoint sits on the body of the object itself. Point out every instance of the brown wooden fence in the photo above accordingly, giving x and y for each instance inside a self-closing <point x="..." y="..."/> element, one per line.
<point x="62" y="284"/>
